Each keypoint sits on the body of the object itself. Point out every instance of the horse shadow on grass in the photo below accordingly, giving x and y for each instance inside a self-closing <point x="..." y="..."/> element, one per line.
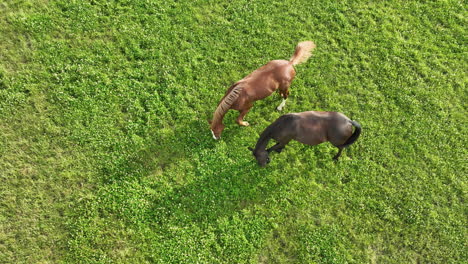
<point x="221" y="178"/>
<point x="218" y="185"/>
<point x="222" y="181"/>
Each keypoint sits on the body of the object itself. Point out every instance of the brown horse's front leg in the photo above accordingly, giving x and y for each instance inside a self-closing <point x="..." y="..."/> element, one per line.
<point x="241" y="116"/>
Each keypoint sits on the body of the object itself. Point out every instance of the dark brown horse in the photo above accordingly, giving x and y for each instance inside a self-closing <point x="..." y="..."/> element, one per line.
<point x="311" y="128"/>
<point x="276" y="74"/>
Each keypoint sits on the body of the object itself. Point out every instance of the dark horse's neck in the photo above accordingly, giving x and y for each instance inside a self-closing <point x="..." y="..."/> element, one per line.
<point x="263" y="141"/>
<point x="276" y="127"/>
<point x="268" y="133"/>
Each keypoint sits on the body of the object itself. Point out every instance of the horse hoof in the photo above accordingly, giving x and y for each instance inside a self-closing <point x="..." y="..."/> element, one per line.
<point x="279" y="108"/>
<point x="243" y="123"/>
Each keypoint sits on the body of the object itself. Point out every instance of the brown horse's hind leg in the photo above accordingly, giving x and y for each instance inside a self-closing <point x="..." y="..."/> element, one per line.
<point x="241" y="117"/>
<point x="284" y="94"/>
<point x="338" y="154"/>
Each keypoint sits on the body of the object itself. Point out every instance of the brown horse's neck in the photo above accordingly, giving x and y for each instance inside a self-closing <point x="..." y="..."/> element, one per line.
<point x="218" y="117"/>
<point x="217" y="121"/>
<point x="226" y="103"/>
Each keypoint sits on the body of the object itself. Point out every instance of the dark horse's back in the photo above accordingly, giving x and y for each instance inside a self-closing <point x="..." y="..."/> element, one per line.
<point x="315" y="127"/>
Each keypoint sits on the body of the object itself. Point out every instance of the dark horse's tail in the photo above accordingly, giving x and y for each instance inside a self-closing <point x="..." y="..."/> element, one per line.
<point x="354" y="136"/>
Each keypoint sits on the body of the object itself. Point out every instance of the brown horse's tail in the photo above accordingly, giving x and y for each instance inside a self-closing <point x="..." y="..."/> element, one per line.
<point x="302" y="52"/>
<point x="226" y="103"/>
<point x="354" y="136"/>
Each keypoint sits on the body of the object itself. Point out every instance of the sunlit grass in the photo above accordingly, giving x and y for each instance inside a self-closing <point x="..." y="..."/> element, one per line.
<point x="106" y="155"/>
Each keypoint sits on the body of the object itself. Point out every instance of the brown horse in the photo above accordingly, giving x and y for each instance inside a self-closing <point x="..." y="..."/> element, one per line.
<point x="311" y="128"/>
<point x="276" y="74"/>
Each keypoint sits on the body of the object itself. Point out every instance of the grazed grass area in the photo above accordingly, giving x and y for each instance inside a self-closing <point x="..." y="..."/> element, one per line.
<point x="106" y="154"/>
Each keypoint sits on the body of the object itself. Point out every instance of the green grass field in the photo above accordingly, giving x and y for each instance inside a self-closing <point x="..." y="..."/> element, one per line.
<point x="106" y="154"/>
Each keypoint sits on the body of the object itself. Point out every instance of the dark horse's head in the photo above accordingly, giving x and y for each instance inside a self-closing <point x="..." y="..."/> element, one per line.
<point x="262" y="156"/>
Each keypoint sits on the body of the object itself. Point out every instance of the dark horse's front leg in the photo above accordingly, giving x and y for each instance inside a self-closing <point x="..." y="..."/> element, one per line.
<point x="278" y="147"/>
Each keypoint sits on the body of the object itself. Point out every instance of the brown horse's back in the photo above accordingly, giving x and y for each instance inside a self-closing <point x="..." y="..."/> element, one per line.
<point x="268" y="78"/>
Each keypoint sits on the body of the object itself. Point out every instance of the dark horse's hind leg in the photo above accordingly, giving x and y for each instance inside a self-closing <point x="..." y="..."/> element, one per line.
<point x="338" y="154"/>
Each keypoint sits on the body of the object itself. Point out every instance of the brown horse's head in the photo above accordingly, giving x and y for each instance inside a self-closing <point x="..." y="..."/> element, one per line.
<point x="216" y="129"/>
<point x="261" y="156"/>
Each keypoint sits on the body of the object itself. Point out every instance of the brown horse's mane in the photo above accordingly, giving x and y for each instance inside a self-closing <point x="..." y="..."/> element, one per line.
<point x="227" y="101"/>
